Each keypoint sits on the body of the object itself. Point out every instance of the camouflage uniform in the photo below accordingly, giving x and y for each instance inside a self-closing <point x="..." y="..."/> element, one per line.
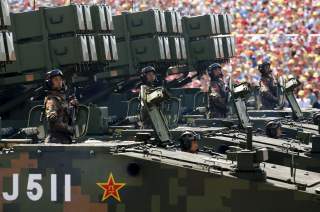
<point x="218" y="99"/>
<point x="144" y="116"/>
<point x="268" y="92"/>
<point x="58" y="116"/>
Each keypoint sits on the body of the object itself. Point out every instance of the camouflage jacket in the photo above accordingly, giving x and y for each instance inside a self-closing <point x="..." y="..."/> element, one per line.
<point x="144" y="116"/>
<point x="218" y="99"/>
<point x="58" y="117"/>
<point x="268" y="92"/>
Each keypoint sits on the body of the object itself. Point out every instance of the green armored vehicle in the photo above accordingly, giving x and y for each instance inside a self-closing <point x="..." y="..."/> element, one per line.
<point x="123" y="172"/>
<point x="111" y="174"/>
<point x="114" y="168"/>
<point x="301" y="151"/>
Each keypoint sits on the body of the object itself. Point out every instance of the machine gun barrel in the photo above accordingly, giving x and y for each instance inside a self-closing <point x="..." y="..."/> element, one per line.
<point x="182" y="81"/>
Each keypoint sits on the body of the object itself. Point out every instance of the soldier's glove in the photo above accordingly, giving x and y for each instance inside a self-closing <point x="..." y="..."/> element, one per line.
<point x="52" y="116"/>
<point x="214" y="95"/>
<point x="74" y="102"/>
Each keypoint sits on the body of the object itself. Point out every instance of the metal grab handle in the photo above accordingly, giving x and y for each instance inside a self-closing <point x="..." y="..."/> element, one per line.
<point x="87" y="119"/>
<point x="33" y="109"/>
<point x="56" y="20"/>
<point x="130" y="102"/>
<point x="61" y="53"/>
<point x="195" y="98"/>
<point x="195" y="26"/>
<point x="141" y="50"/>
<point x="136" y="23"/>
<point x="198" y="50"/>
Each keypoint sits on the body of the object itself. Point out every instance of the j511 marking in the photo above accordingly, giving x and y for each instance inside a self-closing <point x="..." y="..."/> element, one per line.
<point x="35" y="190"/>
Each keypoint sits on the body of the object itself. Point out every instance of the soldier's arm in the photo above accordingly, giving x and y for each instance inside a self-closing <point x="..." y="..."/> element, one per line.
<point x="219" y="103"/>
<point x="216" y="99"/>
<point x="266" y="93"/>
<point x="51" y="109"/>
<point x="178" y="82"/>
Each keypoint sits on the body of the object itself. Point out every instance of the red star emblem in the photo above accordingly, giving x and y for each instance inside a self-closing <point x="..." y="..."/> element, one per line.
<point x="111" y="188"/>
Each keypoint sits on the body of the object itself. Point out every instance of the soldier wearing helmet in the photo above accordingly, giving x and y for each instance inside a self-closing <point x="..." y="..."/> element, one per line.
<point x="268" y="87"/>
<point x="274" y="129"/>
<point x="218" y="94"/>
<point x="149" y="79"/>
<point x="148" y="76"/>
<point x="189" y="142"/>
<point x="57" y="109"/>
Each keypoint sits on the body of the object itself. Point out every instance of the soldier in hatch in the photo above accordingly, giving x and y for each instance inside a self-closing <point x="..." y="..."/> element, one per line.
<point x="274" y="129"/>
<point x="58" y="109"/>
<point x="149" y="79"/>
<point x="218" y="93"/>
<point x="189" y="142"/>
<point x="268" y="87"/>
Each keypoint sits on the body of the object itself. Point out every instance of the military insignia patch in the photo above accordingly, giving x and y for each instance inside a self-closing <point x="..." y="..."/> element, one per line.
<point x="111" y="188"/>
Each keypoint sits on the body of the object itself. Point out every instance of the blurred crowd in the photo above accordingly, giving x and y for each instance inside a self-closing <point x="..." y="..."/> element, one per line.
<point x="284" y="32"/>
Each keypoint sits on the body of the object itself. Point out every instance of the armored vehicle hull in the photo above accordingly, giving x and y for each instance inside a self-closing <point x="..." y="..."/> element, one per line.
<point x="125" y="176"/>
<point x="280" y="113"/>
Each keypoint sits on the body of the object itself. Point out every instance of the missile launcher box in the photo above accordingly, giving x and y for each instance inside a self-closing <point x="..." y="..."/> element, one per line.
<point x="173" y="22"/>
<point x="73" y="50"/>
<point x="208" y="38"/>
<point x="177" y="48"/>
<point x="151" y="36"/>
<point x="106" y="48"/>
<point x="68" y="19"/>
<point x="225" y="22"/>
<point x="5" y="20"/>
<point x="53" y="21"/>
<point x="213" y="48"/>
<point x="60" y="36"/>
<point x="7" y="51"/>
<point x="26" y="26"/>
<point x="148" y="22"/>
<point x="65" y="51"/>
<point x="145" y="50"/>
<point x="123" y="56"/>
<point x="102" y="18"/>
<point x="119" y="26"/>
<point x="208" y="25"/>
<point x="153" y="49"/>
<point x="138" y="24"/>
<point x="30" y="56"/>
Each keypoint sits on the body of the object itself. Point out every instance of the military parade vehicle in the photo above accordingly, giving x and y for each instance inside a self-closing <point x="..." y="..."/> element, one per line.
<point x="112" y="165"/>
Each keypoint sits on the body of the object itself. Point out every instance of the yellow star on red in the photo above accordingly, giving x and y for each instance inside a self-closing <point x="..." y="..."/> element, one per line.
<point x="111" y="188"/>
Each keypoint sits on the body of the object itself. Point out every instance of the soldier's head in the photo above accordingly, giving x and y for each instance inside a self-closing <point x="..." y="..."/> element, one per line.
<point x="55" y="80"/>
<point x="148" y="74"/>
<point x="273" y="129"/>
<point x="264" y="68"/>
<point x="215" y="71"/>
<point x="189" y="142"/>
<point x="316" y="118"/>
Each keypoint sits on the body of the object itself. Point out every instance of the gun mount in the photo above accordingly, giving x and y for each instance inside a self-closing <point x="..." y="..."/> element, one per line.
<point x="151" y="99"/>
